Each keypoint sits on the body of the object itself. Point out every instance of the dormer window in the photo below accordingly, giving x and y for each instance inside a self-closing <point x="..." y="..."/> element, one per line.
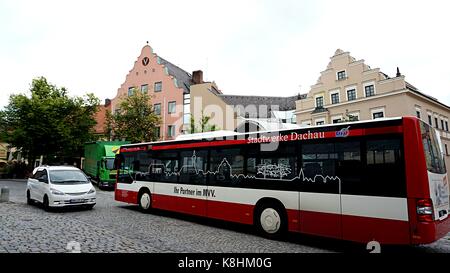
<point x="319" y="102"/>
<point x="341" y="75"/>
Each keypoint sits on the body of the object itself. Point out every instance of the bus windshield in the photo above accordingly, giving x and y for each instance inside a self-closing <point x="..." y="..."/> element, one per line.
<point x="433" y="154"/>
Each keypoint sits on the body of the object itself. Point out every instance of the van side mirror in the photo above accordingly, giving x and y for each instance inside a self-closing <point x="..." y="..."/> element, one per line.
<point x="43" y="180"/>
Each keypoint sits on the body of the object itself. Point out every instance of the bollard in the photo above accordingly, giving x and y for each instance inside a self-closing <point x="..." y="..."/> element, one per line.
<point x="4" y="195"/>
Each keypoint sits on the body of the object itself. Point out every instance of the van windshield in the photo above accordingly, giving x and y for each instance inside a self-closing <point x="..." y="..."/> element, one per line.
<point x="68" y="177"/>
<point x="432" y="149"/>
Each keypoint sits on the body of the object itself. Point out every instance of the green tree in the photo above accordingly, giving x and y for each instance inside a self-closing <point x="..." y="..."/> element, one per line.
<point x="3" y="135"/>
<point x="204" y="125"/>
<point x="49" y="122"/>
<point x="135" y="121"/>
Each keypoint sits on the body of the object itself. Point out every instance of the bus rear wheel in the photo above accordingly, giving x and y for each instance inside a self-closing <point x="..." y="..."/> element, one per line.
<point x="270" y="221"/>
<point x="145" y="201"/>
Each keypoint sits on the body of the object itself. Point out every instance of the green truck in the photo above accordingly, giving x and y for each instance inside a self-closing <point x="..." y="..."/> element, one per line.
<point x="99" y="161"/>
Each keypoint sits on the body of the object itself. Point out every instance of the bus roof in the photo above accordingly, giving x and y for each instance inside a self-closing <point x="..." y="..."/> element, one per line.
<point x="200" y="136"/>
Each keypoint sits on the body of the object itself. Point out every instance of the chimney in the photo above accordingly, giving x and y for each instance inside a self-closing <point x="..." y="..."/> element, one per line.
<point x="398" y="72"/>
<point x="197" y="77"/>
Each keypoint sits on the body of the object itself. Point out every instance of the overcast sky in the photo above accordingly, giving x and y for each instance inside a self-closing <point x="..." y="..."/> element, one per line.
<point x="248" y="47"/>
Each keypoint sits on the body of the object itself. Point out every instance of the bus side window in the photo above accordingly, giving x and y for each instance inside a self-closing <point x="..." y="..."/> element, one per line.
<point x="165" y="166"/>
<point x="350" y="167"/>
<point x="193" y="167"/>
<point x="319" y="168"/>
<point x="225" y="166"/>
<point x="385" y="172"/>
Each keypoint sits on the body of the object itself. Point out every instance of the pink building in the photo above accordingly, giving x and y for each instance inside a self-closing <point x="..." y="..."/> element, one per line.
<point x="166" y="84"/>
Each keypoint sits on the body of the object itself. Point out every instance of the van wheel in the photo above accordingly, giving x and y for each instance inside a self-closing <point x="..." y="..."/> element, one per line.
<point x="29" y="200"/>
<point x="270" y="220"/>
<point x="45" y="203"/>
<point x="145" y="201"/>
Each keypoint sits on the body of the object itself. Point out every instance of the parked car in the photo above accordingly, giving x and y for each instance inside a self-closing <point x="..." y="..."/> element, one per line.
<point x="60" y="186"/>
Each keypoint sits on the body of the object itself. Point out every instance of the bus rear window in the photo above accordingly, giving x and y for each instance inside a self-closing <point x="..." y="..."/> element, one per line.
<point x="432" y="150"/>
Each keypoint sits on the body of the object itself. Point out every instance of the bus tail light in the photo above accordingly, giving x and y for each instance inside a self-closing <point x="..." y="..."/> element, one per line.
<point x="425" y="210"/>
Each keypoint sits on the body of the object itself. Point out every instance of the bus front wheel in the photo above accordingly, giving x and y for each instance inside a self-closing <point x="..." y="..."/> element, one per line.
<point x="270" y="220"/>
<point x="145" y="201"/>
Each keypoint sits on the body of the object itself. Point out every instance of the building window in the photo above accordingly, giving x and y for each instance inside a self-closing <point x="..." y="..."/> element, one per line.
<point x="436" y="124"/>
<point x="320" y="121"/>
<point x="418" y="114"/>
<point x="442" y="124"/>
<point x="369" y="90"/>
<point x="130" y="91"/>
<point x="336" y="120"/>
<point x="319" y="102"/>
<point x="446" y="126"/>
<point x="157" y="108"/>
<point x="429" y="120"/>
<point x="171" y="131"/>
<point x="172" y="107"/>
<point x="351" y="94"/>
<point x="187" y="119"/>
<point x="334" y="98"/>
<point x="158" y="132"/>
<point x="446" y="149"/>
<point x="144" y="88"/>
<point x="341" y="75"/>
<point x="158" y="86"/>
<point x="377" y="113"/>
<point x="306" y="123"/>
<point x="353" y="116"/>
<point x="186" y="108"/>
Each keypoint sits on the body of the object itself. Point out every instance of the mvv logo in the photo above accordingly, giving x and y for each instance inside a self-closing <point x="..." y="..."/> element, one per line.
<point x="209" y="193"/>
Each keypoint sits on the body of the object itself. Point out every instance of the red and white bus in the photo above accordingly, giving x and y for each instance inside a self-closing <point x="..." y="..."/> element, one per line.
<point x="382" y="180"/>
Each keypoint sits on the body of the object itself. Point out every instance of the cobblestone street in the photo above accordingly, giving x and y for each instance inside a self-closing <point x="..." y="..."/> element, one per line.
<point x="115" y="227"/>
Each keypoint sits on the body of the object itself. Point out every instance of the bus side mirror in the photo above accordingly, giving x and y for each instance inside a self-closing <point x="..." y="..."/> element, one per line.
<point x="118" y="160"/>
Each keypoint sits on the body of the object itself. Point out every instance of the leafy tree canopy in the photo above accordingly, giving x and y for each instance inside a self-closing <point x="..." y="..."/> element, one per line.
<point x="48" y="122"/>
<point x="135" y="120"/>
<point x="203" y="125"/>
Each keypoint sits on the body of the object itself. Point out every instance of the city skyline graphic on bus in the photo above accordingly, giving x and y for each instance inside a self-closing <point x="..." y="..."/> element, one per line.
<point x="266" y="171"/>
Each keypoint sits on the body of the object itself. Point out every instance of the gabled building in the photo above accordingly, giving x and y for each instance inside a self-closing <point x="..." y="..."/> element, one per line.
<point x="166" y="84"/>
<point x="350" y="89"/>
<point x="177" y="96"/>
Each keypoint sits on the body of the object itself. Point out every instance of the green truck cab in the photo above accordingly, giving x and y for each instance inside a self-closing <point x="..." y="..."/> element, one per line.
<point x="99" y="161"/>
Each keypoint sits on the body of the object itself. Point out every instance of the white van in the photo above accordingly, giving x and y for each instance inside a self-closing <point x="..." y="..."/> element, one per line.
<point x="60" y="186"/>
